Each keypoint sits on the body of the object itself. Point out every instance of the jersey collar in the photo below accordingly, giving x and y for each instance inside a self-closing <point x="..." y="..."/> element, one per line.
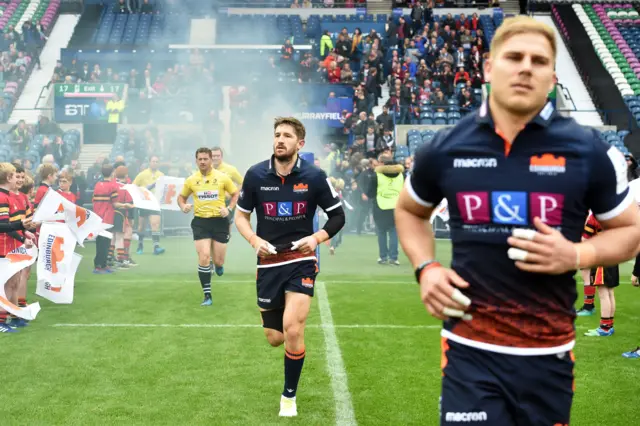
<point x="208" y="174"/>
<point x="544" y="118"/>
<point x="296" y="167"/>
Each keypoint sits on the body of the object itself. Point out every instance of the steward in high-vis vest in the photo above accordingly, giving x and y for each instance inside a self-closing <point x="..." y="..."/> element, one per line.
<point x="385" y="189"/>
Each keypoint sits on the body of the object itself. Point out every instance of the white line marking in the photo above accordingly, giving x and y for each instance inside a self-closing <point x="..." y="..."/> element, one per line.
<point x="223" y="281"/>
<point x="333" y="282"/>
<point x="341" y="395"/>
<point x="346" y="326"/>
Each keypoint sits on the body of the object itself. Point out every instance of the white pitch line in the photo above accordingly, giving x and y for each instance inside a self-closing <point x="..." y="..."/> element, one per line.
<point x="333" y="282"/>
<point x="347" y="326"/>
<point x="345" y="415"/>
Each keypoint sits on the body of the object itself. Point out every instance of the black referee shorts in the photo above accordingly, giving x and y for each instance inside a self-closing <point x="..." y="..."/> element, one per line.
<point x="214" y="228"/>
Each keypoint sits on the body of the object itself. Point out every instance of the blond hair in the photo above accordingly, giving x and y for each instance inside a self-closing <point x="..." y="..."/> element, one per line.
<point x="28" y="184"/>
<point x="522" y="25"/>
<point x="6" y="170"/>
<point x="66" y="174"/>
<point x="46" y="170"/>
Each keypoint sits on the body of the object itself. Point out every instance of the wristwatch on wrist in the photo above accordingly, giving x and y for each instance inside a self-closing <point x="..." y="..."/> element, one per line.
<point x="424" y="265"/>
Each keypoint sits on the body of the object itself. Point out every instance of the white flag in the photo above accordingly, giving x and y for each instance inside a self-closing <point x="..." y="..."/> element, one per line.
<point x="142" y="197"/>
<point x="83" y="222"/>
<point x="52" y="207"/>
<point x="60" y="293"/>
<point x="13" y="263"/>
<point x="56" y="244"/>
<point x="167" y="190"/>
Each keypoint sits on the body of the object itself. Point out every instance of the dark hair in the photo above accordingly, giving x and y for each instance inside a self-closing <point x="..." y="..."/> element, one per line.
<point x="217" y="148"/>
<point x="19" y="168"/>
<point x="203" y="150"/>
<point x="107" y="170"/>
<point x="298" y="127"/>
<point x="118" y="164"/>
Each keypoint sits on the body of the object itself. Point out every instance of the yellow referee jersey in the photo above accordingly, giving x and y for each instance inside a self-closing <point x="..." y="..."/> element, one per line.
<point x="232" y="172"/>
<point x="147" y="177"/>
<point x="209" y="192"/>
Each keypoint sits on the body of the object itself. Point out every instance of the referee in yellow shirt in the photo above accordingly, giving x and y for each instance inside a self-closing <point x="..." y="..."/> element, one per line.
<point x="147" y="179"/>
<point x="210" y="224"/>
<point x="227" y="169"/>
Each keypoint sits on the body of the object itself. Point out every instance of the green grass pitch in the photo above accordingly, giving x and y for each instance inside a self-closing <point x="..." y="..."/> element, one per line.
<point x="139" y="350"/>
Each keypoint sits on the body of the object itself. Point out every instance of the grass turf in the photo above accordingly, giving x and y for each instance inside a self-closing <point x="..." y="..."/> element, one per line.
<point x="229" y="375"/>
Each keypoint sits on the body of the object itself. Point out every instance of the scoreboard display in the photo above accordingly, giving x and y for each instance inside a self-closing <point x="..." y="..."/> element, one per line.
<point x="85" y="102"/>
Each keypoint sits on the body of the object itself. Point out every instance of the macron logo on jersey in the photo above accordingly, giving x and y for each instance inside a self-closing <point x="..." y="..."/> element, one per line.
<point x="510" y="207"/>
<point x="474" y="163"/>
<point x="477" y="416"/>
<point x="269" y="188"/>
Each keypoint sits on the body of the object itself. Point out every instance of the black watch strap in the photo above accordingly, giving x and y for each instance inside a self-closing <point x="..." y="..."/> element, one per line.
<point x="421" y="267"/>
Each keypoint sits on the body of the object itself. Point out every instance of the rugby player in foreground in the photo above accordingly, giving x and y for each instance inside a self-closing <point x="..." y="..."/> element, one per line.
<point x="210" y="224"/>
<point x="516" y="221"/>
<point x="285" y="192"/>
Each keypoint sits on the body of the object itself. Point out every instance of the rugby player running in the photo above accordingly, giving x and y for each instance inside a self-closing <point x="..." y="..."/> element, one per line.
<point x="285" y="192"/>
<point x="229" y="170"/>
<point x="210" y="225"/>
<point x="517" y="213"/>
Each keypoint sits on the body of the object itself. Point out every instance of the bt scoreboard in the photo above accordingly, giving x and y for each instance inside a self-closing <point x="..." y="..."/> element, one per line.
<point x="85" y="102"/>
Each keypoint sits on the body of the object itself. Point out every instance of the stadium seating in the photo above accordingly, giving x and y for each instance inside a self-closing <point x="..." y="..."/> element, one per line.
<point x="283" y="4"/>
<point x="615" y="34"/>
<point x="17" y="12"/>
<point x="35" y="151"/>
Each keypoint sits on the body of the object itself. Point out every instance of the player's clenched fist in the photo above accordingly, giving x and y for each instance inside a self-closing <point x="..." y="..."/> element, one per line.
<point x="307" y="245"/>
<point x="439" y="293"/>
<point x="263" y="248"/>
<point x="186" y="208"/>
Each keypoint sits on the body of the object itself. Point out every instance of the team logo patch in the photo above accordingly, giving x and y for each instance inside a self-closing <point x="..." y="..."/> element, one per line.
<point x="547" y="164"/>
<point x="300" y="187"/>
<point x="307" y="282"/>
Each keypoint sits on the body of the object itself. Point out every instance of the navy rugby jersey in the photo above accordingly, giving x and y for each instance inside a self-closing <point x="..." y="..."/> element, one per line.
<point x="556" y="170"/>
<point x="285" y="207"/>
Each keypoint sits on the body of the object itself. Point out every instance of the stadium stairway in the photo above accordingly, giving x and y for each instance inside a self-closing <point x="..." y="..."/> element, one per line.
<point x="375" y="7"/>
<point x="383" y="100"/>
<point x="510" y="7"/>
<point x="569" y="77"/>
<point x="90" y="152"/>
<point x="29" y="105"/>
